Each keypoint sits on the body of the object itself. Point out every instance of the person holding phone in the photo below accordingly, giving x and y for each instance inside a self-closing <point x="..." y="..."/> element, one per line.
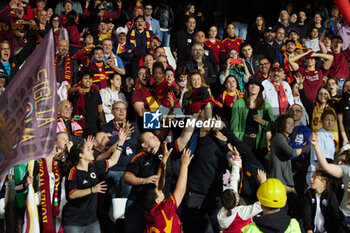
<point x="235" y="66"/>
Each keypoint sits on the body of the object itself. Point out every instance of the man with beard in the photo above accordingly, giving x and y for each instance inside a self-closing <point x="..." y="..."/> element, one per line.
<point x="277" y="92"/>
<point x="201" y="63"/>
<point x="66" y="67"/>
<point x="101" y="70"/>
<point x="209" y="54"/>
<point x="142" y="98"/>
<point x="264" y="69"/>
<point x="268" y="46"/>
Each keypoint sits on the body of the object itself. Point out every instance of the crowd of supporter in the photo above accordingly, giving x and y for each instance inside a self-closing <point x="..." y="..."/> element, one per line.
<point x="274" y="157"/>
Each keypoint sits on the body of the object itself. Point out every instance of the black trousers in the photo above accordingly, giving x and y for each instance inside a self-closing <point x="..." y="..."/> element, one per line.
<point x="199" y="213"/>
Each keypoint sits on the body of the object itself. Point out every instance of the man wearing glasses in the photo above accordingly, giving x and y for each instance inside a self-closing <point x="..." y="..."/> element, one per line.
<point x="264" y="69"/>
<point x="277" y="92"/>
<point x="112" y="128"/>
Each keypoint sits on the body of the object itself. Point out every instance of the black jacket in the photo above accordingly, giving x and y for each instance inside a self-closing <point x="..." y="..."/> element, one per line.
<point x="17" y="60"/>
<point x="165" y="15"/>
<point x="209" y="74"/>
<point x="329" y="208"/>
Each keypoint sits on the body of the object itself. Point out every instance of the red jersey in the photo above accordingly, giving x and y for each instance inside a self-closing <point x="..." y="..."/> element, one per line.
<point x="161" y="89"/>
<point x="163" y="218"/>
<point x="313" y="81"/>
<point x="227" y="99"/>
<point x="83" y="56"/>
<point x="215" y="47"/>
<point x="231" y="43"/>
<point x="340" y="67"/>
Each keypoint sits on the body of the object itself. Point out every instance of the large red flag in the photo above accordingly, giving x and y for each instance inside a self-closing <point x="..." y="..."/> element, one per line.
<point x="28" y="109"/>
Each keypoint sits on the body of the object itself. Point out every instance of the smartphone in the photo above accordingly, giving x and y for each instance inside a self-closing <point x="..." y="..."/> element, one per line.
<point x="236" y="61"/>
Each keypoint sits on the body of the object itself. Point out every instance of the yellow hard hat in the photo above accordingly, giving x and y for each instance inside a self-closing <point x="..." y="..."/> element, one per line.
<point x="272" y="193"/>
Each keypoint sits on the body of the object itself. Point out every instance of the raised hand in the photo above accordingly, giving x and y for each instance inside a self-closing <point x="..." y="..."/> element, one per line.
<point x="186" y="157"/>
<point x="261" y="176"/>
<point x="166" y="152"/>
<point x="222" y="124"/>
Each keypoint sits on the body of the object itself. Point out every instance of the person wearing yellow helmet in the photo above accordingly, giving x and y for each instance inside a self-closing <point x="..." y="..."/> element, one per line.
<point x="273" y="197"/>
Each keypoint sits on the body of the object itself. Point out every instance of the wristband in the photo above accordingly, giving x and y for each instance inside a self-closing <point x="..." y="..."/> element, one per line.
<point x="91" y="190"/>
<point x="143" y="181"/>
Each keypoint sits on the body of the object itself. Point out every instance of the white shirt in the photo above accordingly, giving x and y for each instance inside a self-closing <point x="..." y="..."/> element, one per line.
<point x="319" y="218"/>
<point x="271" y="96"/>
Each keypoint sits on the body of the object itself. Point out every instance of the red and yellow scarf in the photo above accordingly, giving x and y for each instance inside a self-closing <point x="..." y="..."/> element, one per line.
<point x="282" y="97"/>
<point x="151" y="101"/>
<point x="67" y="72"/>
<point x="49" y="210"/>
<point x="79" y="109"/>
<point x="227" y="99"/>
<point x="133" y="41"/>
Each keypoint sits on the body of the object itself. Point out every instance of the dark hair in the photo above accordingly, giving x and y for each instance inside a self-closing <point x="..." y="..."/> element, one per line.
<point x="337" y="37"/>
<point x="228" y="199"/>
<point x="181" y="70"/>
<point x="54" y="16"/>
<point x="347" y="156"/>
<point x="328" y="111"/>
<point x="149" y="198"/>
<point x="85" y="71"/>
<point x="263" y="27"/>
<point x="324" y="176"/>
<point x="332" y="78"/>
<point x="158" y="48"/>
<point x="323" y="87"/>
<point x="260" y="102"/>
<point x="231" y="76"/>
<point x="190" y="17"/>
<point x="243" y="46"/>
<point x="111" y="76"/>
<point x="138" y="144"/>
<point x="156" y="65"/>
<point x="71" y="17"/>
<point x="139" y="17"/>
<point x="279" y="126"/>
<point x="73" y="157"/>
<point x="95" y="49"/>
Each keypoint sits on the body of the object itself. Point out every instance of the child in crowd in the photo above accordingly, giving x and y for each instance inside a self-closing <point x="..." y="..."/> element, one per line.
<point x="327" y="145"/>
<point x="273" y="197"/>
<point x="161" y="213"/>
<point x="233" y="216"/>
<point x="321" y="208"/>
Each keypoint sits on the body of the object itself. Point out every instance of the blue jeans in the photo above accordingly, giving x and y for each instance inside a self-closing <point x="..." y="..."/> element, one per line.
<point x="92" y="228"/>
<point x="341" y="82"/>
<point x="165" y="38"/>
<point x="241" y="30"/>
<point x="134" y="217"/>
<point x="119" y="189"/>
